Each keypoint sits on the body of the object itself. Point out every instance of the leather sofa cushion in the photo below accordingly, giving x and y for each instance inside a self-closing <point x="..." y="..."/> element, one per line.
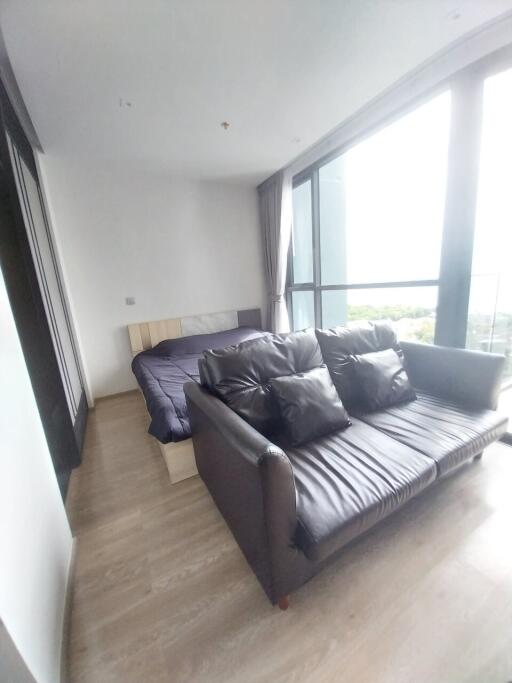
<point x="240" y="374"/>
<point x="443" y="431"/>
<point x="382" y="379"/>
<point x="309" y="405"/>
<point x="340" y="343"/>
<point x="348" y="481"/>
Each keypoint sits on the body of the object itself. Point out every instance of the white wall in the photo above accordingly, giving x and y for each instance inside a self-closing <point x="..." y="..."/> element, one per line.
<point x="35" y="539"/>
<point x="180" y="247"/>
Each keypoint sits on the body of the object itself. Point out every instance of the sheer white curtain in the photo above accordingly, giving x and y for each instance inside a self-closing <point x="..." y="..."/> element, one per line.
<point x="276" y="223"/>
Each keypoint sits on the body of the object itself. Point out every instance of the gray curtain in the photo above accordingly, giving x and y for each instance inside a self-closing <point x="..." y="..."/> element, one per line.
<point x="275" y="197"/>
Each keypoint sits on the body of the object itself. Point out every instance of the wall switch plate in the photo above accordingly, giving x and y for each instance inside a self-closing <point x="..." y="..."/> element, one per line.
<point x="130" y="301"/>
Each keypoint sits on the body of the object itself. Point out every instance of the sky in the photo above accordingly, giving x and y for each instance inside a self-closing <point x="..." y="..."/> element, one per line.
<point x="395" y="192"/>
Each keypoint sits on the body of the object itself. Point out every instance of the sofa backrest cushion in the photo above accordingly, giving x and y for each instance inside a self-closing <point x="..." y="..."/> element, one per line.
<point x="382" y="379"/>
<point x="240" y="374"/>
<point x="309" y="405"/>
<point x="340" y="343"/>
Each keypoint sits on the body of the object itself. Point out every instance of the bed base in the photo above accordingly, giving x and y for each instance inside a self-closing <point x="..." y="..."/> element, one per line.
<point x="179" y="457"/>
<point x="180" y="460"/>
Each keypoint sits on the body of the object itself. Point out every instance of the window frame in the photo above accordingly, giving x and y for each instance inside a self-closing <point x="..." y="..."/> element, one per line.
<point x="454" y="280"/>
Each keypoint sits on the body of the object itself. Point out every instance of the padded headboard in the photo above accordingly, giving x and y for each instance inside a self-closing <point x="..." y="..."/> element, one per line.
<point x="146" y="335"/>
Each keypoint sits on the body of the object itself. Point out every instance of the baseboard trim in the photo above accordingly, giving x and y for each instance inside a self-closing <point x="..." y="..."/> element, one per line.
<point x="99" y="399"/>
<point x="66" y="621"/>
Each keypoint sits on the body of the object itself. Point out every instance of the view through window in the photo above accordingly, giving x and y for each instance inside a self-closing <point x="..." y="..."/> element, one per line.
<point x="379" y="234"/>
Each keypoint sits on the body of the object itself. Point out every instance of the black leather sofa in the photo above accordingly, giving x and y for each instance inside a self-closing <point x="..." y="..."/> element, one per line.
<point x="292" y="508"/>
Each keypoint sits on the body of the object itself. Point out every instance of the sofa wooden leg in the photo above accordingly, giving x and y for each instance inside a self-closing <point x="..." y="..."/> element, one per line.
<point x="478" y="457"/>
<point x="284" y="603"/>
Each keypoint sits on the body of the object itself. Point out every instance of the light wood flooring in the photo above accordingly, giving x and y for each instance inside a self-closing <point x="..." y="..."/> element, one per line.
<point x="162" y="592"/>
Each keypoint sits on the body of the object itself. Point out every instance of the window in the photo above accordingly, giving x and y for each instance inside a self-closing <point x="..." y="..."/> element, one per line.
<point x="303" y="309"/>
<point x="410" y="309"/>
<point x="489" y="325"/>
<point x="302" y="234"/>
<point x="380" y="208"/>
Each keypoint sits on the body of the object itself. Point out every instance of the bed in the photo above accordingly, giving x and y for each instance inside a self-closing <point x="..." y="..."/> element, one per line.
<point x="165" y="357"/>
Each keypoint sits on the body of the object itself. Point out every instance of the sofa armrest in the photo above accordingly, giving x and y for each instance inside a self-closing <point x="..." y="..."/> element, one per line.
<point x="472" y="378"/>
<point x="243" y="439"/>
<point x="251" y="481"/>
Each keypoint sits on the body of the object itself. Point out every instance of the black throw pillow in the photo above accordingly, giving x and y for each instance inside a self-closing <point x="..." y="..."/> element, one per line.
<point x="382" y="379"/>
<point x="339" y="344"/>
<point x="309" y="405"/>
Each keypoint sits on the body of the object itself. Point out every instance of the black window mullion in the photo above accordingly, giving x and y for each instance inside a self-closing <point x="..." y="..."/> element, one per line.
<point x="305" y="286"/>
<point x="460" y="210"/>
<point x="317" y="265"/>
<point x="289" y="306"/>
<point x="289" y="281"/>
<point x="381" y="285"/>
<point x="291" y="286"/>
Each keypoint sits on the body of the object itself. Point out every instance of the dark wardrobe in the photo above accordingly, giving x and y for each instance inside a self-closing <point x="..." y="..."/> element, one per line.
<point x="34" y="284"/>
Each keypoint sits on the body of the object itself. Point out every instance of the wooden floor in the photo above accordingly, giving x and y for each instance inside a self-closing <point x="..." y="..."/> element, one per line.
<point x="162" y="592"/>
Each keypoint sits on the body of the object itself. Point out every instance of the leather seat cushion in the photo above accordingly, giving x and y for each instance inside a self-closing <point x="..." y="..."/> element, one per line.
<point x="349" y="480"/>
<point x="440" y="429"/>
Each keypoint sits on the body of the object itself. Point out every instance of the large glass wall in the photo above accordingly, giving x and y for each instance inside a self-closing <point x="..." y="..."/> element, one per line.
<point x="380" y="222"/>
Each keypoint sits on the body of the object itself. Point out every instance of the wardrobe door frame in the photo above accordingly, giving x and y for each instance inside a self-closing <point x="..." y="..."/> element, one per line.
<point x="65" y="438"/>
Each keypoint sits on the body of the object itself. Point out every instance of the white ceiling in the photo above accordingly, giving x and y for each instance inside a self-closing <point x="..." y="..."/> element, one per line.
<point x="282" y="72"/>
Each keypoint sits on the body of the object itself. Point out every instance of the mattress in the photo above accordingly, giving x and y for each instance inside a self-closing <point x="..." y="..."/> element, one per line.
<point x="163" y="370"/>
